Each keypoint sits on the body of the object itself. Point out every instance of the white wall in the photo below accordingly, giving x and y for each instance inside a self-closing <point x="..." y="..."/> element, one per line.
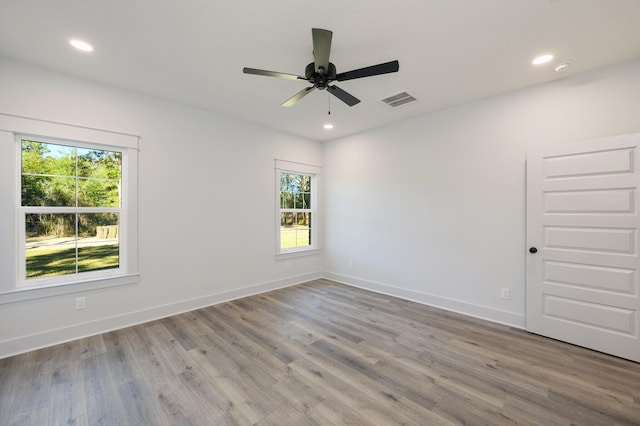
<point x="206" y="205"/>
<point x="433" y="208"/>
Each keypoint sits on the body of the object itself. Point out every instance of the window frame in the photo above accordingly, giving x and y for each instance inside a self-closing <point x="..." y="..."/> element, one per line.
<point x="313" y="171"/>
<point x="23" y="281"/>
<point x="17" y="287"/>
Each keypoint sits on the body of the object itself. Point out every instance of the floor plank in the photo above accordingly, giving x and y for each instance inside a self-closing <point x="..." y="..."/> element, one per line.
<point x="319" y="353"/>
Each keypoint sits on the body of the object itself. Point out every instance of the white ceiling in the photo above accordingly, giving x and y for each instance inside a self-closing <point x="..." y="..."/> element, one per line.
<point x="193" y="51"/>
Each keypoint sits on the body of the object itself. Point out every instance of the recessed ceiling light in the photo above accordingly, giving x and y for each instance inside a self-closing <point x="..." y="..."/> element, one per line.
<point x="81" y="45"/>
<point x="563" y="67"/>
<point x="328" y="126"/>
<point x="543" y="59"/>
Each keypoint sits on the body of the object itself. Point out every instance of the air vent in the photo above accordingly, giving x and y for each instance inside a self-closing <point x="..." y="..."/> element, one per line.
<point x="398" y="99"/>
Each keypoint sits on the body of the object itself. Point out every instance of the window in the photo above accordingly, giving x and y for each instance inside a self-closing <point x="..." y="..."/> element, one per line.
<point x="70" y="209"/>
<point x="295" y="211"/>
<point x="297" y="207"/>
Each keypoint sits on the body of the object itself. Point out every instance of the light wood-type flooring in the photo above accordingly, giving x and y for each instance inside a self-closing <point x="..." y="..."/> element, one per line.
<point x="320" y="353"/>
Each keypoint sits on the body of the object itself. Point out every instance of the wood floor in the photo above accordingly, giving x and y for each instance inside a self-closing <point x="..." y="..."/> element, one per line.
<point x="322" y="354"/>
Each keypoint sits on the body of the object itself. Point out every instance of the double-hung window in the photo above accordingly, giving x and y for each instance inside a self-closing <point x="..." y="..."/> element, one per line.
<point x="74" y="198"/>
<point x="297" y="201"/>
<point x="71" y="210"/>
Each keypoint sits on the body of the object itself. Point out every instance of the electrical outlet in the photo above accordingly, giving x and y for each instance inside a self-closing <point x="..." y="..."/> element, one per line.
<point x="287" y="265"/>
<point x="79" y="303"/>
<point x="350" y="265"/>
<point x="505" y="293"/>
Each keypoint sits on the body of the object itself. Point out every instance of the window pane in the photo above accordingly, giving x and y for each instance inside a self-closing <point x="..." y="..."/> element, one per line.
<point x="303" y="219"/>
<point x="49" y="159"/>
<point x="50" y="245"/>
<point x="98" y="241"/>
<point x="48" y="191"/>
<point x="290" y="183"/>
<point x="287" y="238"/>
<point x="286" y="219"/>
<point x="286" y="200"/>
<point x="284" y="182"/>
<point x="306" y="184"/>
<point x="303" y="229"/>
<point x="303" y="237"/>
<point x="98" y="193"/>
<point x="95" y="163"/>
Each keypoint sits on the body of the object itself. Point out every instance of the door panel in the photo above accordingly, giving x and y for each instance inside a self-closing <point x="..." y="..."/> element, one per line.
<point x="590" y="276"/>
<point x="593" y="163"/>
<point x="590" y="239"/>
<point x="592" y="201"/>
<point x="582" y="216"/>
<point x="590" y="314"/>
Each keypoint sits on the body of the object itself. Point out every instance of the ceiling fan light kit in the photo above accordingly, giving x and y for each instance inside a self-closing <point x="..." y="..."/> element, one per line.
<point x="322" y="73"/>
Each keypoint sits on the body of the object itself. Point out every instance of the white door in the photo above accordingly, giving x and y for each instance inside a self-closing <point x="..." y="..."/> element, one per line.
<point x="582" y="218"/>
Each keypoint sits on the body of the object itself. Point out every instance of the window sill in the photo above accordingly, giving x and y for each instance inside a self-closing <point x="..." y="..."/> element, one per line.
<point x="31" y="293"/>
<point x="297" y="253"/>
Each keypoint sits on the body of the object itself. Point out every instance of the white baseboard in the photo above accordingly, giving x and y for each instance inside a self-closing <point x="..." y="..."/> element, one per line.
<point x="46" y="338"/>
<point x="478" y="311"/>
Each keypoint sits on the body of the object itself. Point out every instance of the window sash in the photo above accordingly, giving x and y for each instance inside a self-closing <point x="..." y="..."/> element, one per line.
<point x="69" y="278"/>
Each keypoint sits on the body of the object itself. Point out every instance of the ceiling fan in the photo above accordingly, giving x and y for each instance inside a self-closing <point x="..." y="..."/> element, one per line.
<point x="321" y="73"/>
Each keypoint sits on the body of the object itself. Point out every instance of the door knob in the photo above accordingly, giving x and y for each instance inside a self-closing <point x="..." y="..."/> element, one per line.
<point x="533" y="250"/>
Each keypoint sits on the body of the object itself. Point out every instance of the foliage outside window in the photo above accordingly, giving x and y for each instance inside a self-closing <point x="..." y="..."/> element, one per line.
<point x="71" y="208"/>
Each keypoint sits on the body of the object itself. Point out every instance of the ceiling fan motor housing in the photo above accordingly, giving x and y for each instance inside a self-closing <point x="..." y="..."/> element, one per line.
<point x="320" y="79"/>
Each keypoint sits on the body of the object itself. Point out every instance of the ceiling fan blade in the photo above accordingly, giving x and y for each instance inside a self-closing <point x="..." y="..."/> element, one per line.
<point x="321" y="48"/>
<point x="387" y="67"/>
<point x="295" y="98"/>
<point x="272" y="74"/>
<point x="345" y="97"/>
